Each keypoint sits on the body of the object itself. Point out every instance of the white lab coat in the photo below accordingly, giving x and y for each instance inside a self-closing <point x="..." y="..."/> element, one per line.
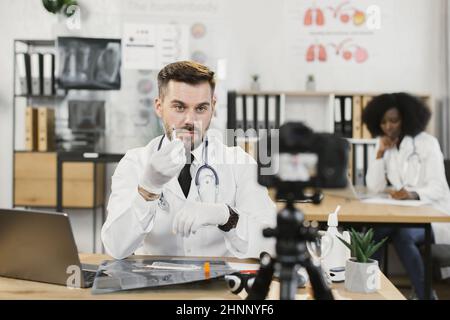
<point x="426" y="177"/>
<point x="137" y="226"/>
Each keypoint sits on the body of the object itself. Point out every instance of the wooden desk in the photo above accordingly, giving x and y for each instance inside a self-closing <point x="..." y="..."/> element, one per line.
<point x="355" y="212"/>
<point x="215" y="289"/>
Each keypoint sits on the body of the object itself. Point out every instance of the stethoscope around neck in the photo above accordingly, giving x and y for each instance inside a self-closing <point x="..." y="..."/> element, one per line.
<point x="406" y="164"/>
<point x="163" y="204"/>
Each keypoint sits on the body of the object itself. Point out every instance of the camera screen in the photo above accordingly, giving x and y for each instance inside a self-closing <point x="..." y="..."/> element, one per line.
<point x="300" y="158"/>
<point x="300" y="167"/>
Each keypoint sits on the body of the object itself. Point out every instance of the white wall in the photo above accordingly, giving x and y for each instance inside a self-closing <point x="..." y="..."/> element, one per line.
<point x="250" y="35"/>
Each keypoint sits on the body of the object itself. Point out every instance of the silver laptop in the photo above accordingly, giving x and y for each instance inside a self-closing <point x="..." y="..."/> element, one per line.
<point x="39" y="246"/>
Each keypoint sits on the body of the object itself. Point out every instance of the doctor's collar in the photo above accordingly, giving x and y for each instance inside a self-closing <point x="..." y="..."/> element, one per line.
<point x="407" y="142"/>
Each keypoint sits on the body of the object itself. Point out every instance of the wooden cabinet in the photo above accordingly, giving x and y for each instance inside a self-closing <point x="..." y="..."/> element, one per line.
<point x="35" y="181"/>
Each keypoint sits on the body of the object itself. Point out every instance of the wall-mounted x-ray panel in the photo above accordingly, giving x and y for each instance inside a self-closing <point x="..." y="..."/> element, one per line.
<point x="89" y="63"/>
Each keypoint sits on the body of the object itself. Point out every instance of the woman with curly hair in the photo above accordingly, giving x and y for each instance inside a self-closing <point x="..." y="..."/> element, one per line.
<point x="412" y="162"/>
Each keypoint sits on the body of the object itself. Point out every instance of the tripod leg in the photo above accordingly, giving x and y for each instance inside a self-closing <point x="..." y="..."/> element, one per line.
<point x="288" y="282"/>
<point x="261" y="286"/>
<point x="320" y="288"/>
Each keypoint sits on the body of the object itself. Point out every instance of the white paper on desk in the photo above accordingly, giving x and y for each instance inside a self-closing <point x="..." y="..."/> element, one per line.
<point x="244" y="266"/>
<point x="408" y="203"/>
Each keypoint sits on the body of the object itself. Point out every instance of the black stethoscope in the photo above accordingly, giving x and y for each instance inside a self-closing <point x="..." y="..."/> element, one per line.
<point x="163" y="204"/>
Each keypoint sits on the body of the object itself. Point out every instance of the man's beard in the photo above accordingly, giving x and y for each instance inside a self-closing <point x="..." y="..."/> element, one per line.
<point x="190" y="142"/>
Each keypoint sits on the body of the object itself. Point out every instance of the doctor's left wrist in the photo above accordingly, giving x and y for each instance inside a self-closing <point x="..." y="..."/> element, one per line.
<point x="232" y="220"/>
<point x="413" y="195"/>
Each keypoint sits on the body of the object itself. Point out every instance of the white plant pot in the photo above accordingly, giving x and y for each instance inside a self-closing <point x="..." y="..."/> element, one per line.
<point x="362" y="277"/>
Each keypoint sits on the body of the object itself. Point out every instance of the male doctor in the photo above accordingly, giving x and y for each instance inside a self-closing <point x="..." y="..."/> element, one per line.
<point x="159" y="206"/>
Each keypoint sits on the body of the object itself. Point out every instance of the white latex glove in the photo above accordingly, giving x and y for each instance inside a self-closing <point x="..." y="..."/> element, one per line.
<point x="195" y="214"/>
<point x="163" y="165"/>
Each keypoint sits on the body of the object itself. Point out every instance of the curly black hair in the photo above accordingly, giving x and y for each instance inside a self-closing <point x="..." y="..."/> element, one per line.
<point x="415" y="114"/>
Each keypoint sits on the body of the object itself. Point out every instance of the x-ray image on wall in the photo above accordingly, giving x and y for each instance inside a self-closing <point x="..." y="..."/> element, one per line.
<point x="89" y="63"/>
<point x="86" y="115"/>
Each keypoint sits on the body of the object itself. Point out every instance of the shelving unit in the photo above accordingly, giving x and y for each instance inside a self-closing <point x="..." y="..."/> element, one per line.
<point x="34" y="172"/>
<point x="54" y="178"/>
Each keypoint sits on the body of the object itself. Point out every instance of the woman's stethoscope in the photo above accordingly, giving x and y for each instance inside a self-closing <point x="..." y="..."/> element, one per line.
<point x="164" y="205"/>
<point x="412" y="158"/>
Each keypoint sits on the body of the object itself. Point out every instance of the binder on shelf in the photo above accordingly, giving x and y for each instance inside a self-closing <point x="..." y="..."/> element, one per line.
<point x="23" y="73"/>
<point x="261" y="112"/>
<point x="251" y="146"/>
<point x="357" y="121"/>
<point x="350" y="163"/>
<point x="359" y="165"/>
<point x="279" y="110"/>
<point x="338" y="126"/>
<point x="241" y="142"/>
<point x="49" y="74"/>
<point x="31" y="130"/>
<point x="231" y="110"/>
<point x="348" y="126"/>
<point x="239" y="113"/>
<point x="272" y="112"/>
<point x="36" y="63"/>
<point x="370" y="156"/>
<point x="365" y="132"/>
<point x="46" y="129"/>
<point x="250" y="118"/>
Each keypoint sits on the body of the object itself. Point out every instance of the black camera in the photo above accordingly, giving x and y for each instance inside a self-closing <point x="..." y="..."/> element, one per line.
<point x="300" y="159"/>
<point x="297" y="159"/>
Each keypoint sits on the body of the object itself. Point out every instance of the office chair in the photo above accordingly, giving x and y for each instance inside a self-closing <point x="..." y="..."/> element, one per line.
<point x="440" y="253"/>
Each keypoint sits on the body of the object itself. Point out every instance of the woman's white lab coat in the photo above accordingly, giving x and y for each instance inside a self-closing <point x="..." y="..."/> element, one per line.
<point x="136" y="226"/>
<point x="421" y="171"/>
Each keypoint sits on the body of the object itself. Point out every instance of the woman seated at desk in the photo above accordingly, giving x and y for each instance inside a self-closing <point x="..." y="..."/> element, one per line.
<point x="412" y="162"/>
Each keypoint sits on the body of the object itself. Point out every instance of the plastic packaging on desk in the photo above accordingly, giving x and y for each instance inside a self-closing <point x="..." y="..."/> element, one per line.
<point x="118" y="275"/>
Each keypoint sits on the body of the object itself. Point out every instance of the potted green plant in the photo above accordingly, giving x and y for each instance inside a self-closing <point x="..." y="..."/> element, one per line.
<point x="59" y="6"/>
<point x="362" y="274"/>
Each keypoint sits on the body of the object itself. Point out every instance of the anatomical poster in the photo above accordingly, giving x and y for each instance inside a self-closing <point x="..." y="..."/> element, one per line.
<point x="342" y="32"/>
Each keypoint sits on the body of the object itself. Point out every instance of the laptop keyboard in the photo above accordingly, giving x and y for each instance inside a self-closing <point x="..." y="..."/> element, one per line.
<point x="89" y="277"/>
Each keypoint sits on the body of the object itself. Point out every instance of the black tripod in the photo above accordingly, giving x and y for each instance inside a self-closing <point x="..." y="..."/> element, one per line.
<point x="291" y="236"/>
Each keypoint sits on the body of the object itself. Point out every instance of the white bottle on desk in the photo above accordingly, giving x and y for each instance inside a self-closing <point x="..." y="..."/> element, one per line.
<point x="334" y="262"/>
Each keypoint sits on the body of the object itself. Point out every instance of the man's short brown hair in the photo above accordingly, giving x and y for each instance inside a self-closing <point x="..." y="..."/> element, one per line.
<point x="185" y="71"/>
